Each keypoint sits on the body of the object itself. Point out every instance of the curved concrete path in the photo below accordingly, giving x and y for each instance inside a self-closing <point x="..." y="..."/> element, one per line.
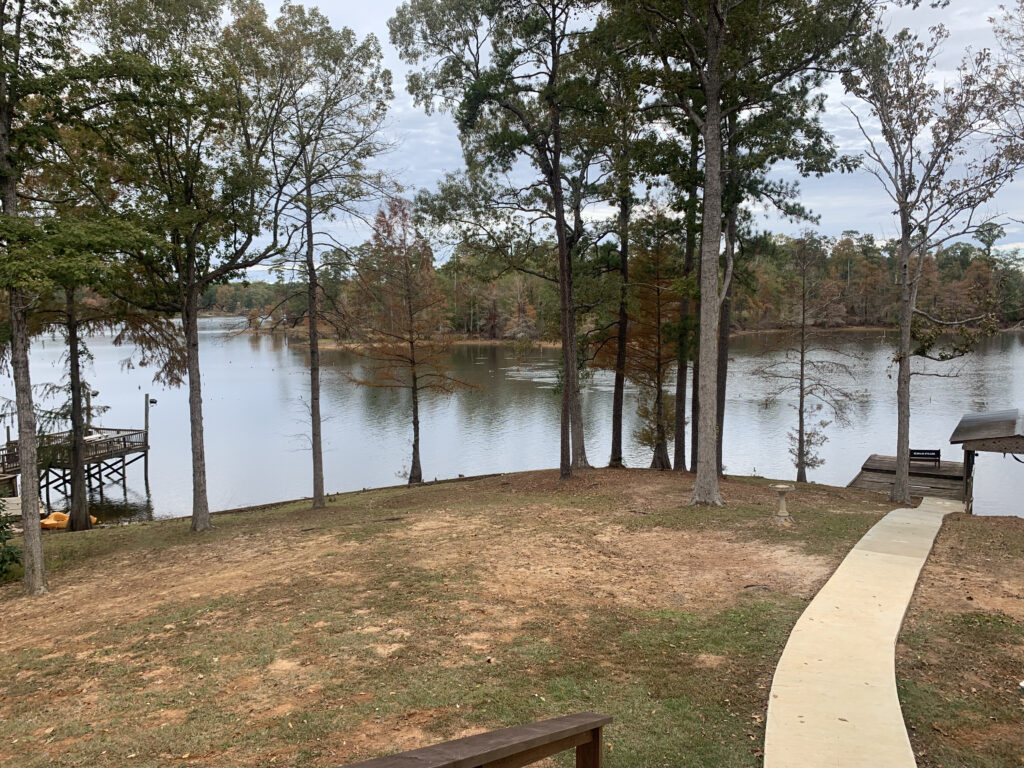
<point x="833" y="702"/>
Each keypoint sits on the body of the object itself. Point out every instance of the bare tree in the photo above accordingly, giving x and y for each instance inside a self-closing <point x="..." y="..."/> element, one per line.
<point x="810" y="366"/>
<point x="939" y="156"/>
<point x="332" y="120"/>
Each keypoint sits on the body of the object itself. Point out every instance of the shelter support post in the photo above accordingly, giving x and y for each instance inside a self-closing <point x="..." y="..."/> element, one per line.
<point x="969" y="481"/>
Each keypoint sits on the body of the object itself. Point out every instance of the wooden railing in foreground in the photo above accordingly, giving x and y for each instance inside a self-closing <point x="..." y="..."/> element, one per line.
<point x="510" y="747"/>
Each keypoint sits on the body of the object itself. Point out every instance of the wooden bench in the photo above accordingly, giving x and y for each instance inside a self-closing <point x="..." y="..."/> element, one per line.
<point x="935" y="457"/>
<point x="509" y="747"/>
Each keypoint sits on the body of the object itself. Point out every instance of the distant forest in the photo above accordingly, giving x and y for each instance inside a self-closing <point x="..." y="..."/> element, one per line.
<point x="854" y="279"/>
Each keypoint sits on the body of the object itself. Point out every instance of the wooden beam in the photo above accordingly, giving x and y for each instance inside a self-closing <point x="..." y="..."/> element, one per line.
<point x="509" y="747"/>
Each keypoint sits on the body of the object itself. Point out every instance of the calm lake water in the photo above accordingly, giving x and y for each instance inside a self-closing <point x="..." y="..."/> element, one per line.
<point x="255" y="402"/>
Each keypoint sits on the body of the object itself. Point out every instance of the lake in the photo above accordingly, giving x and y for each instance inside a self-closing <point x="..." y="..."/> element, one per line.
<point x="255" y="395"/>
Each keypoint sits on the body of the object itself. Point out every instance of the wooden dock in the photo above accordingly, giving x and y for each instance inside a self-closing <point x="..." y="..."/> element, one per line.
<point x="944" y="480"/>
<point x="108" y="454"/>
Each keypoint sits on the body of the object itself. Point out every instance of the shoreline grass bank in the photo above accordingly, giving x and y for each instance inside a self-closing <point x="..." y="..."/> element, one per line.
<point x="405" y="616"/>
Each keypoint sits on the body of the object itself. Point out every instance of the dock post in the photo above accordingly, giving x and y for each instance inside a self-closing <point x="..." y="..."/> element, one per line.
<point x="968" y="481"/>
<point x="145" y="454"/>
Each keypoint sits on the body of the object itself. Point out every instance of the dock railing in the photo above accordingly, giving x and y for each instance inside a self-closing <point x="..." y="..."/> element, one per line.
<point x="54" y="449"/>
<point x="509" y="747"/>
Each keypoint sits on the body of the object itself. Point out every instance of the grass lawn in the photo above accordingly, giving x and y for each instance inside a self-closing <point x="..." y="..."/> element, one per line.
<point x="402" y="617"/>
<point x="960" y="660"/>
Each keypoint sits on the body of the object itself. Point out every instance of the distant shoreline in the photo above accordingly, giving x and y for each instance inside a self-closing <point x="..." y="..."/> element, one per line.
<point x="299" y="335"/>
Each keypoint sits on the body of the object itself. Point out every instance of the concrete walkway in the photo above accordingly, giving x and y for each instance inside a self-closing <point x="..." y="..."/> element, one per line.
<point x="833" y="702"/>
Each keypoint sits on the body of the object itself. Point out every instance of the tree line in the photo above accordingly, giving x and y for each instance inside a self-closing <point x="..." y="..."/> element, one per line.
<point x="486" y="302"/>
<point x="153" y="151"/>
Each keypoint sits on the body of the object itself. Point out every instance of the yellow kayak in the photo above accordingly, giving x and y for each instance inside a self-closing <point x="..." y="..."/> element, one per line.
<point x="58" y="521"/>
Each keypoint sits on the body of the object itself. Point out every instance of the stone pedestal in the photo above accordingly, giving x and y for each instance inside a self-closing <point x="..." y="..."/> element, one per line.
<point x="782" y="516"/>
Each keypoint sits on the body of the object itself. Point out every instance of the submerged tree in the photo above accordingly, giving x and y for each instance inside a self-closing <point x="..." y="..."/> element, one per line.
<point x="654" y="310"/>
<point x="810" y="367"/>
<point x="404" y="329"/>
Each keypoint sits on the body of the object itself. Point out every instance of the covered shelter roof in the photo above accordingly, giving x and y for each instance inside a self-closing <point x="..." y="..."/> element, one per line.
<point x="996" y="431"/>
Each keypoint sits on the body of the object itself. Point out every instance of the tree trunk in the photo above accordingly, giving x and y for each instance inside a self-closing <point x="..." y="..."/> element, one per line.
<point x="705" y="485"/>
<point x="685" y="308"/>
<point x="725" y="319"/>
<point x="679" y="427"/>
<point x="415" y="472"/>
<point x="695" y="415"/>
<point x="32" y="550"/>
<point x="695" y="395"/>
<point x="573" y="453"/>
<point x="801" y="444"/>
<point x="32" y="555"/>
<point x="316" y="438"/>
<point x="660" y="458"/>
<point x="901" y="482"/>
<point x="567" y="331"/>
<point x="79" y="512"/>
<point x="801" y="433"/>
<point x="579" y="449"/>
<point x="724" y="323"/>
<point x="618" y="393"/>
<point x="190" y="320"/>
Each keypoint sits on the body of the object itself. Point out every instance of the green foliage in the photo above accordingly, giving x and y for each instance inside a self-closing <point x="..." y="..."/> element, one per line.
<point x="647" y="432"/>
<point x="204" y="95"/>
<point x="10" y="554"/>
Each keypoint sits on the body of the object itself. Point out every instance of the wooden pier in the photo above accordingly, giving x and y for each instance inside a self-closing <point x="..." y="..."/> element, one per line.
<point x="108" y="454"/>
<point x="944" y="479"/>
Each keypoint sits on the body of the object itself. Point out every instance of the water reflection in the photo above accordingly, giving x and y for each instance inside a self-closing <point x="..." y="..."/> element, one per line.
<point x="113" y="503"/>
<point x="130" y="508"/>
<point x="256" y="404"/>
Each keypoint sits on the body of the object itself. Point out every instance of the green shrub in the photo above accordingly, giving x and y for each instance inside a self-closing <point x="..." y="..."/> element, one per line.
<point x="10" y="555"/>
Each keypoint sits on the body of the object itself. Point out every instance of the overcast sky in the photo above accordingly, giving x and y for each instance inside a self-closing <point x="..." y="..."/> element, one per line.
<point x="427" y="146"/>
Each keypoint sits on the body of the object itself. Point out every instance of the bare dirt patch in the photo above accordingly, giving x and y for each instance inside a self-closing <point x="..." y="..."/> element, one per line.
<point x="530" y="560"/>
<point x="651" y="569"/>
<point x="129" y="590"/>
<point x="407" y="731"/>
<point x="961" y="576"/>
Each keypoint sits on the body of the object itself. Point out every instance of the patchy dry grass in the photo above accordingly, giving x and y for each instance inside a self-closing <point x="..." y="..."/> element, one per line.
<point x="402" y="617"/>
<point x="961" y="655"/>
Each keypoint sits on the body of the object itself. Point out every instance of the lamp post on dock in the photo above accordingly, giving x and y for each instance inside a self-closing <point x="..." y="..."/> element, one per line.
<point x="145" y="455"/>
